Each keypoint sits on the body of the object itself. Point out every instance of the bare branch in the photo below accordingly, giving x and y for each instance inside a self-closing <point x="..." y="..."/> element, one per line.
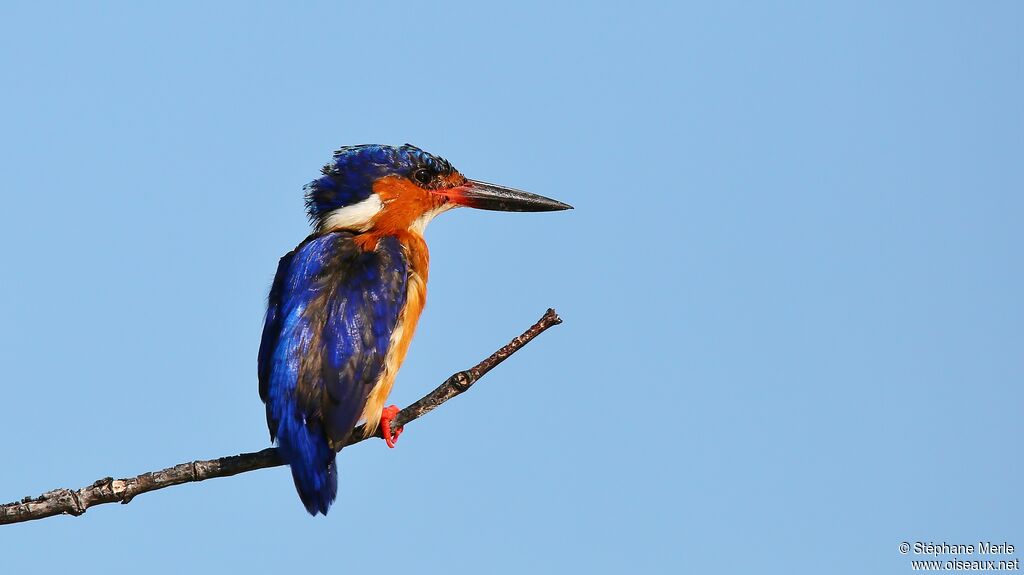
<point x="110" y="490"/>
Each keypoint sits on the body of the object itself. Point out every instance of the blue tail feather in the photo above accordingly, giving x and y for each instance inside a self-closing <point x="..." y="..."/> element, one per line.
<point x="305" y="449"/>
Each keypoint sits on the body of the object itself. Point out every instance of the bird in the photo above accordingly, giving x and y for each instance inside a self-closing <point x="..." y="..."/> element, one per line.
<point x="344" y="304"/>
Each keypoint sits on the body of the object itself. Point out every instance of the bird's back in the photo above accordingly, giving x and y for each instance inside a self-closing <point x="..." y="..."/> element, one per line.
<point x="330" y="316"/>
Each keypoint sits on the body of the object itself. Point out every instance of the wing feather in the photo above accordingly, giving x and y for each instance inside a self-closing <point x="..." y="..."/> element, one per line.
<point x="329" y="319"/>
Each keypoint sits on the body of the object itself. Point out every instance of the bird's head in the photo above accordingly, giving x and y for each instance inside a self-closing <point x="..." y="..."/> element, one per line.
<point x="387" y="188"/>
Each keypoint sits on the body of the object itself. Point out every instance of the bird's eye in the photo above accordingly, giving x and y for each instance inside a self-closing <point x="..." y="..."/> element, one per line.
<point x="423" y="176"/>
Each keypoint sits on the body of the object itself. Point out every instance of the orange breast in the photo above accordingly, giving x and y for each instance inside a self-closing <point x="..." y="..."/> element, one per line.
<point x="416" y="296"/>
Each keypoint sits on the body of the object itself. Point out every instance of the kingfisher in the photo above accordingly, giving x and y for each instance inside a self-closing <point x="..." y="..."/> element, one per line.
<point x="345" y="302"/>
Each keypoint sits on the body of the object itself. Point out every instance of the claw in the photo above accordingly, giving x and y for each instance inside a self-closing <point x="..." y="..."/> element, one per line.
<point x="386" y="416"/>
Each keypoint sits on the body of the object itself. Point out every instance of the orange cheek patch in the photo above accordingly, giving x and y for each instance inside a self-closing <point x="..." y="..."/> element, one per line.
<point x="395" y="187"/>
<point x="404" y="202"/>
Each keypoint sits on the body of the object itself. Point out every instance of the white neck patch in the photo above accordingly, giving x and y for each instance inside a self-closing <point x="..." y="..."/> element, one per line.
<point x="357" y="217"/>
<point x="421" y="222"/>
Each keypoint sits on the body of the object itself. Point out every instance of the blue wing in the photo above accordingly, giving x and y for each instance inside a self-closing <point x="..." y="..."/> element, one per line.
<point x="330" y="315"/>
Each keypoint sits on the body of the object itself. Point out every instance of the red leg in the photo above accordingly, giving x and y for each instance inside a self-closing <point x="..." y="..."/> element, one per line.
<point x="386" y="416"/>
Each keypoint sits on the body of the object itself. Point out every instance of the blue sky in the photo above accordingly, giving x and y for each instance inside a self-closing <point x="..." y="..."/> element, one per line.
<point x="791" y="285"/>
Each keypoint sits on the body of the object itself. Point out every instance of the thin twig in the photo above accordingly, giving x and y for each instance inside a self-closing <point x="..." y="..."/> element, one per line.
<point x="110" y="490"/>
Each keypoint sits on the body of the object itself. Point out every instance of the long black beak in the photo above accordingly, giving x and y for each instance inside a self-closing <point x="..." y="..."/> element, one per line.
<point x="484" y="196"/>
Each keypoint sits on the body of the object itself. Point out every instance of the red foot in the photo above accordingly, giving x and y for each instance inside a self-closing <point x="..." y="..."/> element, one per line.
<point x="386" y="416"/>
